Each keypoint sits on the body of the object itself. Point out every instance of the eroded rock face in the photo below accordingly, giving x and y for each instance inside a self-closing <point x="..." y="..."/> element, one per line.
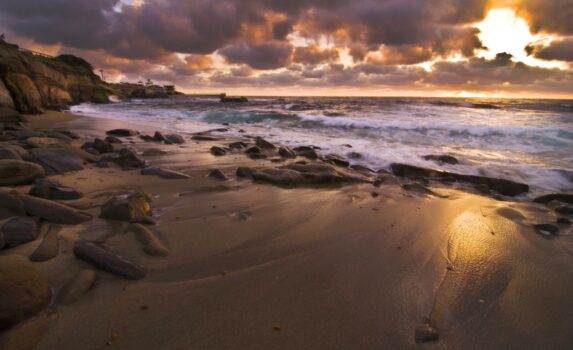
<point x="23" y="291"/>
<point x="106" y="260"/>
<point x="128" y="206"/>
<point x="18" y="172"/>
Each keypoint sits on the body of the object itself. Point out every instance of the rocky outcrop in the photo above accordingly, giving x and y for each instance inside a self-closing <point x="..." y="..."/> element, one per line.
<point x="31" y="83"/>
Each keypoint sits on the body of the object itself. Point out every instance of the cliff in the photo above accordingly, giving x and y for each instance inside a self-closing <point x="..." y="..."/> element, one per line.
<point x="31" y="83"/>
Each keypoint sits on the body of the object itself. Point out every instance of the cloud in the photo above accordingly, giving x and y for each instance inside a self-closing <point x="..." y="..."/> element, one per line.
<point x="552" y="16"/>
<point x="314" y="55"/>
<point x="270" y="55"/>
<point x="561" y="50"/>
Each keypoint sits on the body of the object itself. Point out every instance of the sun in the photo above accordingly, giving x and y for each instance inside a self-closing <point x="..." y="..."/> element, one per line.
<point x="503" y="31"/>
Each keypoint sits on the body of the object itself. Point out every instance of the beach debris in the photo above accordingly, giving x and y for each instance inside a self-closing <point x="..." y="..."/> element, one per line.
<point x="164" y="173"/>
<point x="546" y="230"/>
<point x="57" y="160"/>
<point x="441" y="159"/>
<point x="134" y="206"/>
<point x="51" y="189"/>
<point x="10" y="205"/>
<point x="218" y="151"/>
<point x="76" y="287"/>
<point x="286" y="152"/>
<point x="425" y="333"/>
<point x="19" y="172"/>
<point x="336" y="160"/>
<point x="244" y="172"/>
<point x="559" y="197"/>
<point x="122" y="132"/>
<point x="106" y="260"/>
<point x="150" y="243"/>
<point x="174" y="139"/>
<point x="52" y="211"/>
<point x="49" y="247"/>
<point x="126" y="158"/>
<point x="23" y="291"/>
<point x="264" y="144"/>
<point x="218" y="174"/>
<point x="20" y="230"/>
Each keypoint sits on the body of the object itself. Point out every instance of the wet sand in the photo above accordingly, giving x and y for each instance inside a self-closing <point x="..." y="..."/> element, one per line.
<point x="254" y="266"/>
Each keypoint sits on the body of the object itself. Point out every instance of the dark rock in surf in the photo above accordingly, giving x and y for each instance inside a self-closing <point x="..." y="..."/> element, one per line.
<point x="442" y="159"/>
<point x="218" y="174"/>
<point x="560" y="197"/>
<point x="218" y="151"/>
<point x="164" y="173"/>
<point x="122" y="132"/>
<point x="108" y="261"/>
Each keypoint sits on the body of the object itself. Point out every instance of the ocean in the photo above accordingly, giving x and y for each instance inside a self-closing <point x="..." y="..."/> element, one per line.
<point x="529" y="141"/>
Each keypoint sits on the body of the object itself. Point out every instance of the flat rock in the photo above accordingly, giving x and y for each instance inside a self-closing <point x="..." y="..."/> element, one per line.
<point x="426" y="333"/>
<point x="10" y="205"/>
<point x="560" y="197"/>
<point x="57" y="160"/>
<point x="76" y="287"/>
<point x="20" y="230"/>
<point x="218" y="174"/>
<point x="127" y="206"/>
<point x="23" y="291"/>
<point x="50" y="189"/>
<point x="122" y="132"/>
<point x="18" y="172"/>
<point x="49" y="247"/>
<point x="52" y="211"/>
<point x="108" y="261"/>
<point x="164" y="173"/>
<point x="9" y="153"/>
<point x="441" y="159"/>
<point x="150" y="243"/>
<point x="218" y="151"/>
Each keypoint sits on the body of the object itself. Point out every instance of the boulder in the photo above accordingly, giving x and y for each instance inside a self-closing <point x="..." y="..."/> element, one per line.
<point x="126" y="158"/>
<point x="158" y="137"/>
<point x="18" y="172"/>
<point x="122" y="132"/>
<point x="336" y="160"/>
<point x="441" y="159"/>
<point x="560" y="197"/>
<point x="147" y="138"/>
<point x="8" y="153"/>
<point x="127" y="206"/>
<point x="164" y="173"/>
<point x="286" y="152"/>
<point x="106" y="260"/>
<point x="23" y="291"/>
<point x="79" y="285"/>
<point x="154" y="152"/>
<point x="56" y="160"/>
<point x="264" y="144"/>
<point x="113" y="140"/>
<point x="174" y="139"/>
<point x="218" y="174"/>
<point x="20" y="230"/>
<point x="150" y="243"/>
<point x="52" y="211"/>
<point x="10" y="205"/>
<point x="102" y="146"/>
<point x="49" y="247"/>
<point x="218" y="151"/>
<point x="50" y="189"/>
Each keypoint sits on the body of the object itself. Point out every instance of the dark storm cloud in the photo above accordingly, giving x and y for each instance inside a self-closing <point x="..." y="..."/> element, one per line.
<point x="553" y="16"/>
<point x="271" y="55"/>
<point x="561" y="50"/>
<point x="313" y="54"/>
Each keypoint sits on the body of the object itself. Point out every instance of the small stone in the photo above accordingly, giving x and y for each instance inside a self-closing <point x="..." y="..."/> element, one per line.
<point x="218" y="174"/>
<point x="426" y="333"/>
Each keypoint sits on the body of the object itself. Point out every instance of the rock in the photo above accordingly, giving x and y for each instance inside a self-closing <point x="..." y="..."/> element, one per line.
<point x="501" y="186"/>
<point x="19" y="230"/>
<point x="158" y="137"/>
<point x="52" y="211"/>
<point x="50" y="189"/>
<point x="354" y="155"/>
<point x="175" y="139"/>
<point x="237" y="145"/>
<point x="23" y="291"/>
<point x="8" y="153"/>
<point x="310" y="174"/>
<point x="418" y="188"/>
<point x="426" y="333"/>
<point x="547" y="230"/>
<point x="113" y="140"/>
<point x="126" y="158"/>
<point x="244" y="172"/>
<point x="264" y="144"/>
<point x="218" y="151"/>
<point x="46" y="142"/>
<point x="200" y="137"/>
<point x="147" y="138"/>
<point x="286" y="152"/>
<point x="164" y="173"/>
<point x="108" y="261"/>
<point x="560" y="197"/>
<point x="122" y="132"/>
<point x="72" y="135"/>
<point x="442" y="159"/>
<point x="56" y="160"/>
<point x="59" y="135"/>
<point x="560" y="221"/>
<point x="79" y="285"/>
<point x="10" y="205"/>
<point x="336" y="160"/>
<point x="562" y="209"/>
<point x="218" y="174"/>
<point x="150" y="243"/>
<point x="154" y="152"/>
<point x="20" y="151"/>
<point x="127" y="206"/>
<point x="49" y="247"/>
<point x="18" y="172"/>
<point x="306" y="152"/>
<point x="103" y="146"/>
<point x="241" y="99"/>
<point x="254" y="150"/>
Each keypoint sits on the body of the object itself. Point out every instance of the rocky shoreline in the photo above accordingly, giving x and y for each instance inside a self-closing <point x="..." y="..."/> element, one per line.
<point x="35" y="207"/>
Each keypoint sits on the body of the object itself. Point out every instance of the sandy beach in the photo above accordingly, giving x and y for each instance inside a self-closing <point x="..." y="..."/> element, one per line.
<point x="251" y="265"/>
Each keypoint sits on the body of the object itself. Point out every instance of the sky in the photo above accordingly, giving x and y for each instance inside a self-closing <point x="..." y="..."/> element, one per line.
<point x="484" y="48"/>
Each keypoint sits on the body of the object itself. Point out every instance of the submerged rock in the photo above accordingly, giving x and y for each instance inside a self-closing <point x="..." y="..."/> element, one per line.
<point x="52" y="211"/>
<point x="164" y="173"/>
<point x="18" y="172"/>
<point x="50" y="189"/>
<point x="442" y="159"/>
<point x="218" y="174"/>
<point x="49" y="247"/>
<point x="20" y="230"/>
<point x="560" y="197"/>
<point x="127" y="206"/>
<point x="150" y="243"/>
<point x="122" y="132"/>
<point x="108" y="261"/>
<point x="79" y="285"/>
<point x="23" y="291"/>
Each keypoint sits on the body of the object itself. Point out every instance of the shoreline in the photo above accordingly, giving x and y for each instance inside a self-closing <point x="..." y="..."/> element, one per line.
<point x="257" y="266"/>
